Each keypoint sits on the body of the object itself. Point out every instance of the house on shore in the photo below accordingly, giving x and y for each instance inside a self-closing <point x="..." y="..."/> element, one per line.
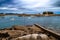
<point x="48" y="13"/>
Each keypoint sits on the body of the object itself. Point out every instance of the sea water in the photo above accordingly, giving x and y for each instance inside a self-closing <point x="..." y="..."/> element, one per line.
<point x="51" y="22"/>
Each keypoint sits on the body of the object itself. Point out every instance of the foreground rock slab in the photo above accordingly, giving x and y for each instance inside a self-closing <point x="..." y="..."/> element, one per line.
<point x="25" y="33"/>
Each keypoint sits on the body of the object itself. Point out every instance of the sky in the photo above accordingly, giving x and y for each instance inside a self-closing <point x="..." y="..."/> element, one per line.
<point x="29" y="6"/>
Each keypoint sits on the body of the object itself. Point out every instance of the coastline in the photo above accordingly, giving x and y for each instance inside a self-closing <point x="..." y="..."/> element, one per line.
<point x="37" y="15"/>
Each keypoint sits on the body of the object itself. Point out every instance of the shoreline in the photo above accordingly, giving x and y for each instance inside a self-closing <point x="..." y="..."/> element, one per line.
<point x="37" y="15"/>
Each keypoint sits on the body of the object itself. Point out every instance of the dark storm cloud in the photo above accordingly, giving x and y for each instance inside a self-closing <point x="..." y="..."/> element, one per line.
<point x="57" y="3"/>
<point x="6" y="2"/>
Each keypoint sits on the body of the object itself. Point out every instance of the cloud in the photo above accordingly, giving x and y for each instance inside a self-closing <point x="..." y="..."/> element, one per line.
<point x="7" y="8"/>
<point x="1" y="0"/>
<point x="33" y="3"/>
<point x="42" y="9"/>
<point x="57" y="3"/>
<point x="4" y="3"/>
<point x="30" y="6"/>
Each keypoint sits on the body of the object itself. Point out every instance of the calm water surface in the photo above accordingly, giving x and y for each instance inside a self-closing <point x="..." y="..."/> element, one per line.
<point x="52" y="22"/>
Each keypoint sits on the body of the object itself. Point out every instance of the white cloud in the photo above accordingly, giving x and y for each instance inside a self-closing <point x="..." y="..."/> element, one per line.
<point x="42" y="9"/>
<point x="55" y="8"/>
<point x="7" y="8"/>
<point x="35" y="3"/>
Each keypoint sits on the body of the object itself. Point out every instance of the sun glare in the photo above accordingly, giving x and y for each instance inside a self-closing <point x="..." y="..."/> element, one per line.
<point x="35" y="3"/>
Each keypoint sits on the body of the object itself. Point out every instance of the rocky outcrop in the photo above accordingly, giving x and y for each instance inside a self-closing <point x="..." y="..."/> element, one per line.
<point x="24" y="32"/>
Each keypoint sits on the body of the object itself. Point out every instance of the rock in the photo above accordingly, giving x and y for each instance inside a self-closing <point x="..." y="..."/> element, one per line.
<point x="4" y="35"/>
<point x="34" y="37"/>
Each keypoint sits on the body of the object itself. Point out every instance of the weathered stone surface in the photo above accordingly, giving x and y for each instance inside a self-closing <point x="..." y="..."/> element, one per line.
<point x="19" y="31"/>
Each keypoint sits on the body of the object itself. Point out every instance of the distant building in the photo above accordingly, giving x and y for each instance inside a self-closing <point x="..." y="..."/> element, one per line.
<point x="48" y="13"/>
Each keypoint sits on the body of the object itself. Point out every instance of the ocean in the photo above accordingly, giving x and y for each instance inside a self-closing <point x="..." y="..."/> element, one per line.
<point x="51" y="22"/>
